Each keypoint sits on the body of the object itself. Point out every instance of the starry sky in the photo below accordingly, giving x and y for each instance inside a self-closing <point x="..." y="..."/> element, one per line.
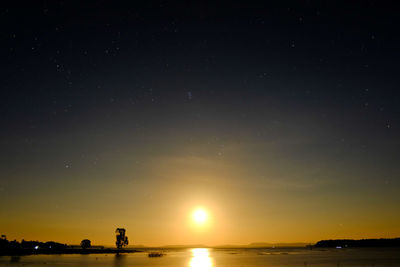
<point x="282" y="121"/>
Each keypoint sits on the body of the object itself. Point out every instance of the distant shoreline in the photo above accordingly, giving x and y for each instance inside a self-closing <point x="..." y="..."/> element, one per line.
<point x="24" y="252"/>
<point x="360" y="243"/>
<point x="14" y="248"/>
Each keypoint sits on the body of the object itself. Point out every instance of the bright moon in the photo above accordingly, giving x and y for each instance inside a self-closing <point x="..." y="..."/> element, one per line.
<point x="199" y="216"/>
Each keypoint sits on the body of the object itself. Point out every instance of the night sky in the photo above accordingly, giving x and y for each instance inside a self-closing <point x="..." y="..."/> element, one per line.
<point x="281" y="120"/>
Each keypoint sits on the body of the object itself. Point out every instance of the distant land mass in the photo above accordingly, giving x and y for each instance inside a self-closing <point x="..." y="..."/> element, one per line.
<point x="36" y="247"/>
<point x="251" y="245"/>
<point x="344" y="243"/>
<point x="180" y="246"/>
<point x="264" y="245"/>
<point x="15" y="248"/>
<point x="383" y="242"/>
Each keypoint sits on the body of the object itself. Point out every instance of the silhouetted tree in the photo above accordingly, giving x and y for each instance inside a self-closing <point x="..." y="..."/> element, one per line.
<point x="85" y="243"/>
<point x="122" y="240"/>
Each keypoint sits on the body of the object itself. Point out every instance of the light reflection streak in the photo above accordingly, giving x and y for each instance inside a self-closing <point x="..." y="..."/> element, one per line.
<point x="200" y="258"/>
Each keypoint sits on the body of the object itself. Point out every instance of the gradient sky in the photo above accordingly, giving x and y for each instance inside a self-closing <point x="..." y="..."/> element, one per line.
<point x="281" y="121"/>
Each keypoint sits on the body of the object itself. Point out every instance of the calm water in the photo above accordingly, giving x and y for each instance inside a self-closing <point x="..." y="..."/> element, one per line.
<point x="202" y="257"/>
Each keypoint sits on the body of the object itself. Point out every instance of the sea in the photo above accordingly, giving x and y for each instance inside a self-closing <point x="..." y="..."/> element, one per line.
<point x="208" y="257"/>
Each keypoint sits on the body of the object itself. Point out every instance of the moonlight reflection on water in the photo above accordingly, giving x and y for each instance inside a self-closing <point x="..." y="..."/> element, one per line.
<point x="200" y="258"/>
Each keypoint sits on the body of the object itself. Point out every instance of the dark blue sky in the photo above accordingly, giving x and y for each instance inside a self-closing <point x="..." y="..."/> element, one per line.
<point x="301" y="93"/>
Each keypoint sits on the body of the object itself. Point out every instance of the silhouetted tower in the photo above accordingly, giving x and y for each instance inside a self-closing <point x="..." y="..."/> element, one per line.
<point x="122" y="240"/>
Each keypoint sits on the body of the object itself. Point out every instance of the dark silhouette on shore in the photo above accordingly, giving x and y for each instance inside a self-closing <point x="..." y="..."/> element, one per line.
<point x="122" y="239"/>
<point x="28" y="247"/>
<point x="362" y="243"/>
<point x="86" y="243"/>
<point x="15" y="248"/>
